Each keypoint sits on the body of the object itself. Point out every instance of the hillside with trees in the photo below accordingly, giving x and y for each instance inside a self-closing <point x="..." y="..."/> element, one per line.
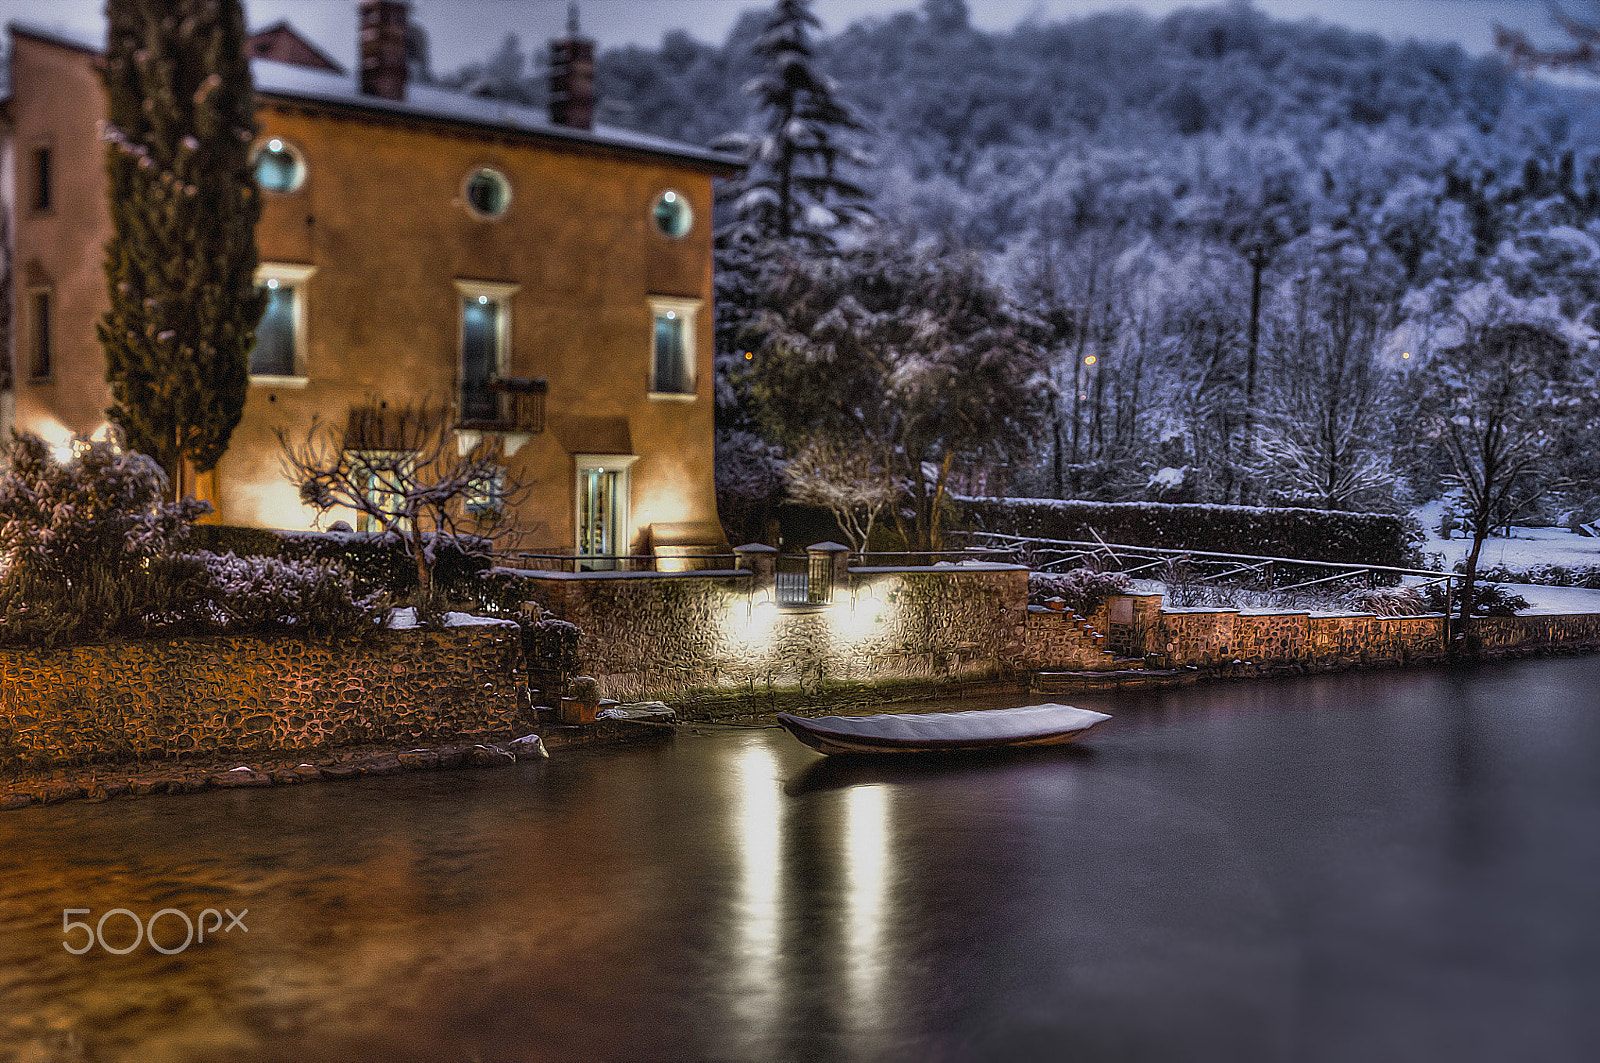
<point x="1241" y="243"/>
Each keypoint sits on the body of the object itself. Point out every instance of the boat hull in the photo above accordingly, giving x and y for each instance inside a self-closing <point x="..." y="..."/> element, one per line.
<point x="1030" y="726"/>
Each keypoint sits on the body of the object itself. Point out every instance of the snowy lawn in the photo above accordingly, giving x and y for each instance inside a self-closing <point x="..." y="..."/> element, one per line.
<point x="1526" y="548"/>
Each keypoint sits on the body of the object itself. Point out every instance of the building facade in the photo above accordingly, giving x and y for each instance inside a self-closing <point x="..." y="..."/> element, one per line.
<point x="547" y="282"/>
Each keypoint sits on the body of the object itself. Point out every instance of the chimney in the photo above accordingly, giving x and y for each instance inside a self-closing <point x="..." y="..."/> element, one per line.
<point x="383" y="48"/>
<point x="572" y="77"/>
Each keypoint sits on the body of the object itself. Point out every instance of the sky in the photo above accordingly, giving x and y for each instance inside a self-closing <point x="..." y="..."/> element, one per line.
<point x="462" y="31"/>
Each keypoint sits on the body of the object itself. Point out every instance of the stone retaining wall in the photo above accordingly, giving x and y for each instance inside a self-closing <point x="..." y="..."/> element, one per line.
<point x="159" y="698"/>
<point x="1509" y="636"/>
<point x="685" y="638"/>
<point x="1302" y="640"/>
<point x="1053" y="640"/>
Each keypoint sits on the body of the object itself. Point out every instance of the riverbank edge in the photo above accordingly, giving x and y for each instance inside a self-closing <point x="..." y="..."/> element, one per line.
<point x="103" y="782"/>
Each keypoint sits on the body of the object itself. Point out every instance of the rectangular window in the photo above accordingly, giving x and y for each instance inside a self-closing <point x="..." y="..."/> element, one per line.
<point x="43" y="180"/>
<point x="672" y="375"/>
<point x="382" y="477"/>
<point x="672" y="346"/>
<point x="279" y="355"/>
<point x="42" y="349"/>
<point x="274" y="352"/>
<point x="480" y="358"/>
<point x="485" y="349"/>
<point x="486" y="498"/>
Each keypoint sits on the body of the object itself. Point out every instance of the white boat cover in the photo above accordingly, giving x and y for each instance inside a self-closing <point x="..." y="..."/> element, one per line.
<point x="976" y="725"/>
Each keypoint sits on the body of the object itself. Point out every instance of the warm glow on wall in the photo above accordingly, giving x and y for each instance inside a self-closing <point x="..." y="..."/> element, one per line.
<point x="278" y="506"/>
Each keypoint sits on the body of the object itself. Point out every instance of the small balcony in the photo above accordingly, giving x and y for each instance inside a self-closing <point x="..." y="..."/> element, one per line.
<point x="504" y="404"/>
<point x="509" y="407"/>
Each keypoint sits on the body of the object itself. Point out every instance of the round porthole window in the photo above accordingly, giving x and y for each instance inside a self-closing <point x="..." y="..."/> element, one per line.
<point x="279" y="167"/>
<point x="488" y="193"/>
<point x="672" y="214"/>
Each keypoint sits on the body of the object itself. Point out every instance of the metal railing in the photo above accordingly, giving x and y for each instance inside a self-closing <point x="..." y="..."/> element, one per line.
<point x="1280" y="574"/>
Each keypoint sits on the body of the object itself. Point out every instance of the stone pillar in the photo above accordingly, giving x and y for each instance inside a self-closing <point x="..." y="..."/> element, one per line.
<point x="829" y="563"/>
<point x="762" y="562"/>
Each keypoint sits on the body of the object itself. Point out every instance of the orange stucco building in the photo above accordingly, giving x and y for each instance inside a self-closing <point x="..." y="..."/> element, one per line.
<point x="549" y="280"/>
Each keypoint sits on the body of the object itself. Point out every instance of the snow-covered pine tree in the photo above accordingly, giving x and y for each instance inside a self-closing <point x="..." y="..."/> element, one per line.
<point x="181" y="261"/>
<point x="793" y="185"/>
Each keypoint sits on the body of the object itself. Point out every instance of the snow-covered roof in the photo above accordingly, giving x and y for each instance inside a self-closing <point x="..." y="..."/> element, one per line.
<point x="429" y="103"/>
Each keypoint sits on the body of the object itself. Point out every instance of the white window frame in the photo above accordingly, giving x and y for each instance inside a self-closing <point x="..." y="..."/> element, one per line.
<point x="686" y="310"/>
<point x="500" y="293"/>
<point x="622" y="463"/>
<point x="296" y="275"/>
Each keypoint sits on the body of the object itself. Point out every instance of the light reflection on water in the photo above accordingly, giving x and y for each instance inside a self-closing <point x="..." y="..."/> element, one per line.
<point x="1320" y="869"/>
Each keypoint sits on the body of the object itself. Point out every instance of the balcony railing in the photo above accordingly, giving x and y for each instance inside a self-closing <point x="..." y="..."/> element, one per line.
<point x="517" y="404"/>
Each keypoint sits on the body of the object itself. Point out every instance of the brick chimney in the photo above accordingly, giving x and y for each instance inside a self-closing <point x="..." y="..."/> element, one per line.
<point x="572" y="77"/>
<point x="383" y="48"/>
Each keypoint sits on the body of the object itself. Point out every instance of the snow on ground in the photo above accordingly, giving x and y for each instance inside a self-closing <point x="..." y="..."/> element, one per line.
<point x="1551" y="600"/>
<point x="1526" y="548"/>
<point x="403" y="619"/>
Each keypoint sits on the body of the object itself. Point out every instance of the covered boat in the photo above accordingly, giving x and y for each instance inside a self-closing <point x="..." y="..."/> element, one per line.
<point x="1030" y="725"/>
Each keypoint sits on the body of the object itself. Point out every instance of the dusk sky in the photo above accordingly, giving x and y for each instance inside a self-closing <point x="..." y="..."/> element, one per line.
<point x="465" y="30"/>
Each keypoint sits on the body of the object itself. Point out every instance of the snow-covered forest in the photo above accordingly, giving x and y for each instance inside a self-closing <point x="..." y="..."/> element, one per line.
<point x="1260" y="257"/>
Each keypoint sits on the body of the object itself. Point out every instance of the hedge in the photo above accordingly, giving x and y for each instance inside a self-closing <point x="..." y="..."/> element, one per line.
<point x="1309" y="534"/>
<point x="375" y="562"/>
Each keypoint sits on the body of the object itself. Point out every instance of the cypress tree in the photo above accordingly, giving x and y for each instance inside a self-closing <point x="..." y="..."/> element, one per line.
<point x="181" y="261"/>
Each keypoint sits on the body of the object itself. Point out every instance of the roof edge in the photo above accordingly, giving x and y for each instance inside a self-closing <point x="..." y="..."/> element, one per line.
<point x="713" y="163"/>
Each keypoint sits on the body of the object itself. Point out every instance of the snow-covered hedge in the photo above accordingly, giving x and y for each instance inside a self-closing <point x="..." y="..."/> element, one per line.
<point x="1311" y="534"/>
<point x="375" y="562"/>
<point x="89" y="550"/>
<point x="1542" y="575"/>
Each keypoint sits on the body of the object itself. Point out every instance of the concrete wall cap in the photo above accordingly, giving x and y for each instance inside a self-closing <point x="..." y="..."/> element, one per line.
<point x="829" y="547"/>
<point x="755" y="548"/>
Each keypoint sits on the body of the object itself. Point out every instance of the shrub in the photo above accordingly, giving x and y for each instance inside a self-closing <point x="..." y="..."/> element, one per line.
<point x="263" y="594"/>
<point x="1544" y="575"/>
<point x="1390" y="601"/>
<point x="1082" y="588"/>
<point x="551" y="646"/>
<point x="376" y="562"/>
<point x="1489" y="599"/>
<point x="89" y="549"/>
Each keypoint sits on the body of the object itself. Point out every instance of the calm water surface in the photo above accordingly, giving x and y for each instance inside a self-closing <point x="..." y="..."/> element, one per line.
<point x="1395" y="866"/>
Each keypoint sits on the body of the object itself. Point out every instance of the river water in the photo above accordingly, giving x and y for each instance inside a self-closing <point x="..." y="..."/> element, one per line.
<point x="1385" y="866"/>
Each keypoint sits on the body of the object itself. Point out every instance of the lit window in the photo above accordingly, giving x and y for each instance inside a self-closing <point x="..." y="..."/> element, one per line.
<point x="382" y="477"/>
<point x="672" y="214"/>
<point x="279" y="167"/>
<point x="40" y="351"/>
<point x="43" y="180"/>
<point x="485" y="344"/>
<point x="279" y="351"/>
<point x="672" y="346"/>
<point x="488" y="193"/>
<point x="486" y="497"/>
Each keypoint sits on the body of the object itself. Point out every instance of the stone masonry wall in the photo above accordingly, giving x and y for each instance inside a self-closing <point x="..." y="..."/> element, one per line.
<point x="1214" y="638"/>
<point x="1500" y="636"/>
<point x="1054" y="640"/>
<point x="162" y="698"/>
<point x="689" y="636"/>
